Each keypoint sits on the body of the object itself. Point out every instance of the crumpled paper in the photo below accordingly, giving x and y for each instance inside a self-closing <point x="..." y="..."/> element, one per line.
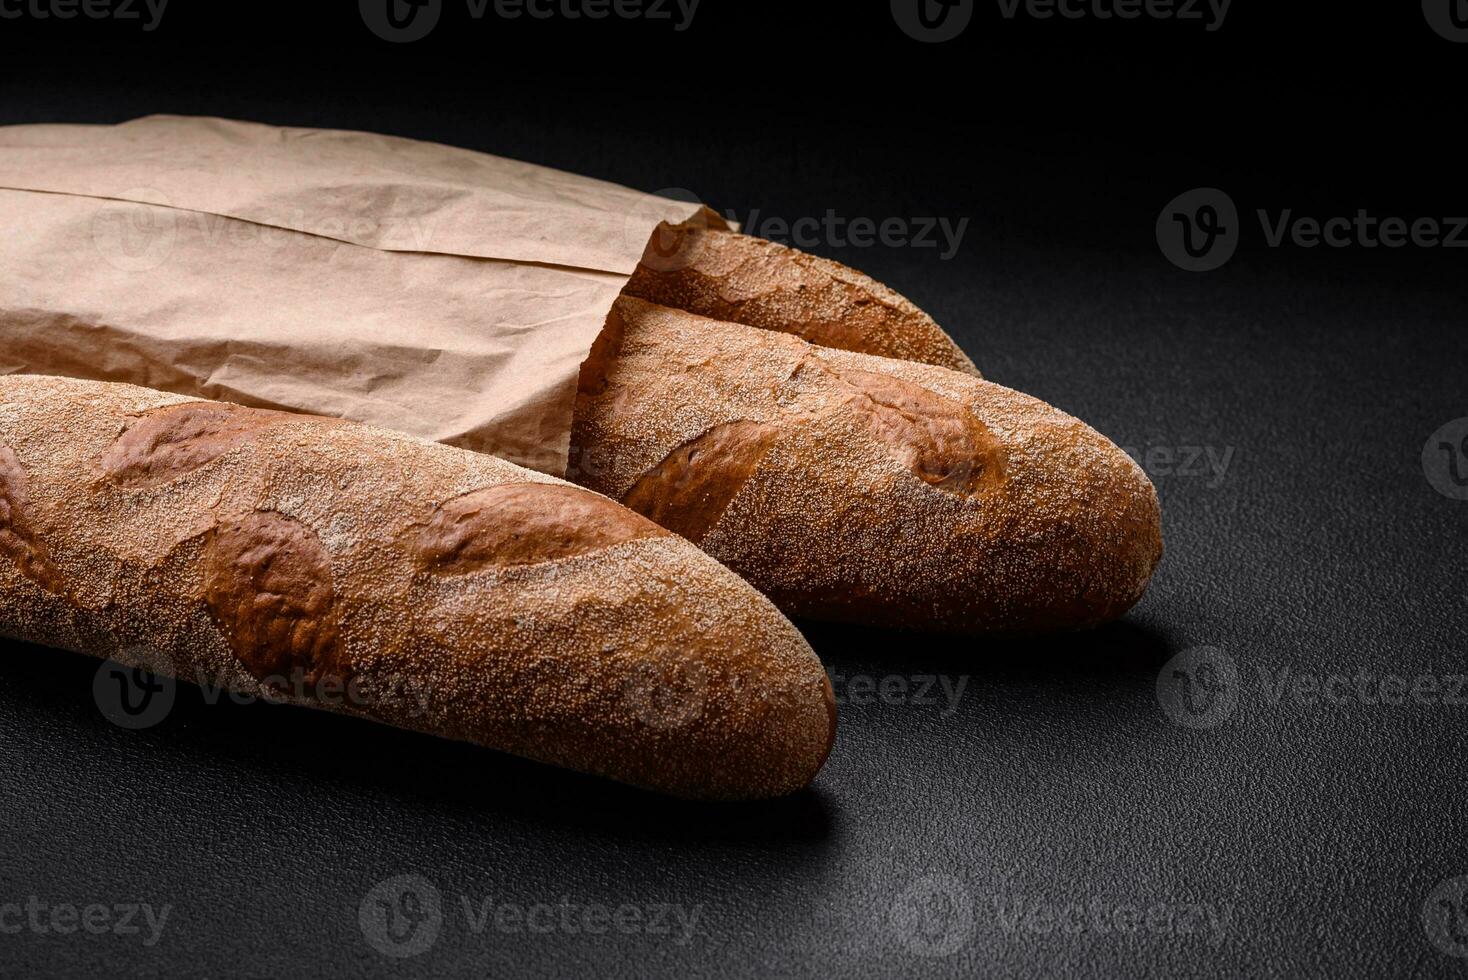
<point x="438" y="291"/>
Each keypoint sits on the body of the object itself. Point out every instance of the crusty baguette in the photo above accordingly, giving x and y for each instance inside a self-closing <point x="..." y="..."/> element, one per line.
<point x="860" y="488"/>
<point x="728" y="276"/>
<point x="276" y="553"/>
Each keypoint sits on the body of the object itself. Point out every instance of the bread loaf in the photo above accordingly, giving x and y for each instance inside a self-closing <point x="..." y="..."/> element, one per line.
<point x="728" y="276"/>
<point x="290" y="556"/>
<point x="860" y="488"/>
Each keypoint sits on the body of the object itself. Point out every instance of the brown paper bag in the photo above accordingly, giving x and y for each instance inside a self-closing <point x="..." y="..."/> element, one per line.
<point x="438" y="291"/>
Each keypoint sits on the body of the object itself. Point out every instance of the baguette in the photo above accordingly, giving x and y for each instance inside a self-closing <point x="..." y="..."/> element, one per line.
<point x="288" y="556"/>
<point x="860" y="488"/>
<point x="724" y="275"/>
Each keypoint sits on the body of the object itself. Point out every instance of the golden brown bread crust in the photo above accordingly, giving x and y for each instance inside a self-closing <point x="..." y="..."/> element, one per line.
<point x="19" y="543"/>
<point x="692" y="487"/>
<point x="519" y="524"/>
<point x="728" y="276"/>
<point x="275" y="553"/>
<point x="271" y="591"/>
<point x="859" y="488"/>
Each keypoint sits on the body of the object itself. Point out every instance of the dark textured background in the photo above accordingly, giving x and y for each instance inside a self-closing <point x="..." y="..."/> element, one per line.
<point x="1318" y="831"/>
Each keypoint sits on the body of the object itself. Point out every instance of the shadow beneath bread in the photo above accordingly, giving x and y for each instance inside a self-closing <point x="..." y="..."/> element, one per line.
<point x="939" y="714"/>
<point x="1123" y="649"/>
<point x="284" y="751"/>
<point x="274" y="750"/>
<point x="485" y="785"/>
